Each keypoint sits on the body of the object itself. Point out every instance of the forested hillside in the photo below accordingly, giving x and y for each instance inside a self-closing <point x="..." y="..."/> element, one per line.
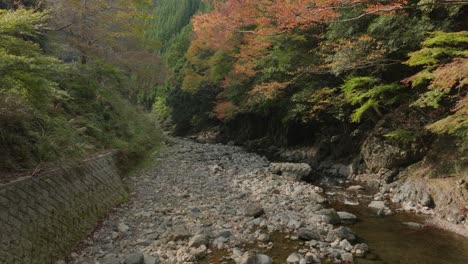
<point x="72" y="74"/>
<point x="261" y="73"/>
<point x="317" y="73"/>
<point x="292" y="131"/>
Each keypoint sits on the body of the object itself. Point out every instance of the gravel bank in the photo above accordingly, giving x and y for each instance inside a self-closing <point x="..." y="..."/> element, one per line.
<point x="202" y="197"/>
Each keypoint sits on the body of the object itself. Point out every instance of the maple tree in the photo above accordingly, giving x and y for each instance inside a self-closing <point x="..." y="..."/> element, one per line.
<point x="291" y="58"/>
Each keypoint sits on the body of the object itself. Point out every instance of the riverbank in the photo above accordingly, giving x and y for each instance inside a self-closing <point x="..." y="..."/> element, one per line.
<point x="211" y="203"/>
<point x="199" y="198"/>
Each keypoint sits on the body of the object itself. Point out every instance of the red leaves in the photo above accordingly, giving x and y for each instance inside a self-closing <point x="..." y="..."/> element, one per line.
<point x="246" y="27"/>
<point x="452" y="75"/>
<point x="224" y="109"/>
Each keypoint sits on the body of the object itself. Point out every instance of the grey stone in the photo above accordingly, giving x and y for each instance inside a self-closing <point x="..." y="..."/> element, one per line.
<point x="180" y="232"/>
<point x="198" y="240"/>
<point x="248" y="258"/>
<point x="224" y="233"/>
<point x="263" y="238"/>
<point x="263" y="259"/>
<point x="330" y="216"/>
<point x="377" y="205"/>
<point x="143" y="242"/>
<point x="360" y="250"/>
<point x="122" y="227"/>
<point x="344" y="244"/>
<point x="255" y="211"/>
<point x="347" y="257"/>
<point x="293" y="171"/>
<point x="340" y="233"/>
<point x="135" y="258"/>
<point x="308" y="234"/>
<point x="294" y="258"/>
<point x="199" y="253"/>
<point x="413" y="225"/>
<point x="347" y="217"/>
<point x="311" y="258"/>
<point x="111" y="259"/>
<point x="151" y="259"/>
<point x="355" y="188"/>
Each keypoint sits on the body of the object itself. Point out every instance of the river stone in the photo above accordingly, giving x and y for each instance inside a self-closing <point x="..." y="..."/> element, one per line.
<point x="347" y="217"/>
<point x="151" y="259"/>
<point x="198" y="253"/>
<point x="311" y="258"/>
<point x="198" y="240"/>
<point x="293" y="171"/>
<point x="340" y="233"/>
<point x="377" y="205"/>
<point x="122" y="227"/>
<point x="180" y="232"/>
<point x="224" y="233"/>
<point x="347" y="257"/>
<point x="360" y="250"/>
<point x="263" y="238"/>
<point x="349" y="202"/>
<point x="111" y="259"/>
<point x="135" y="258"/>
<point x="330" y="216"/>
<point x="263" y="259"/>
<point x="248" y="258"/>
<point x="294" y="258"/>
<point x="355" y="188"/>
<point x="143" y="242"/>
<point x="344" y="244"/>
<point x="255" y="211"/>
<point x="413" y="225"/>
<point x="308" y="234"/>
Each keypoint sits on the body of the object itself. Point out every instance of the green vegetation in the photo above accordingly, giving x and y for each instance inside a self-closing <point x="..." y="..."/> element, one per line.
<point x="71" y="86"/>
<point x="242" y="61"/>
<point x="58" y="107"/>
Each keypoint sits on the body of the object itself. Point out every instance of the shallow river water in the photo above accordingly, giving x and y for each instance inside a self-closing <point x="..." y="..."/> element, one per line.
<point x="390" y="241"/>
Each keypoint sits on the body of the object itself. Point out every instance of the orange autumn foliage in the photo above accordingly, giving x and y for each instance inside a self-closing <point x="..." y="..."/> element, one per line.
<point x="245" y="26"/>
<point x="451" y="75"/>
<point x="266" y="92"/>
<point x="223" y="109"/>
<point x="270" y="17"/>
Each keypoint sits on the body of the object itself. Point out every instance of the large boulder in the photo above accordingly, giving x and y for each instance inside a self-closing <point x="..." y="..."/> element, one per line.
<point x="251" y="257"/>
<point x="341" y="233"/>
<point x="255" y="211"/>
<point x="135" y="258"/>
<point x="329" y="216"/>
<point x="198" y="240"/>
<point x="394" y="144"/>
<point x="415" y="191"/>
<point x="293" y="171"/>
<point x="347" y="218"/>
<point x="308" y="234"/>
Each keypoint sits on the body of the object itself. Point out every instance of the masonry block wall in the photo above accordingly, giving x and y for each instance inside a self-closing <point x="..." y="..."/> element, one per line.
<point x="43" y="217"/>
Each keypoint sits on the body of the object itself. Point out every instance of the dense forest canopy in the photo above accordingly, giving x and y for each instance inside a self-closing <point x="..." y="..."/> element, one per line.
<point x="74" y="71"/>
<point x="318" y="61"/>
<point x="71" y="73"/>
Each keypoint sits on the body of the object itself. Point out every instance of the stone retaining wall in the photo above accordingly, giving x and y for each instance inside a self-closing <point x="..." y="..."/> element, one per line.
<point x="43" y="217"/>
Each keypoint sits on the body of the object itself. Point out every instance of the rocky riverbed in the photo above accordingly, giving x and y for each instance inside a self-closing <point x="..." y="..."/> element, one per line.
<point x="203" y="198"/>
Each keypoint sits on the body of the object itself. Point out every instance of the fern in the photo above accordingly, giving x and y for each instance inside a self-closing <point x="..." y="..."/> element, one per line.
<point x="368" y="94"/>
<point x="358" y="113"/>
<point x="445" y="76"/>
<point x="402" y="135"/>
